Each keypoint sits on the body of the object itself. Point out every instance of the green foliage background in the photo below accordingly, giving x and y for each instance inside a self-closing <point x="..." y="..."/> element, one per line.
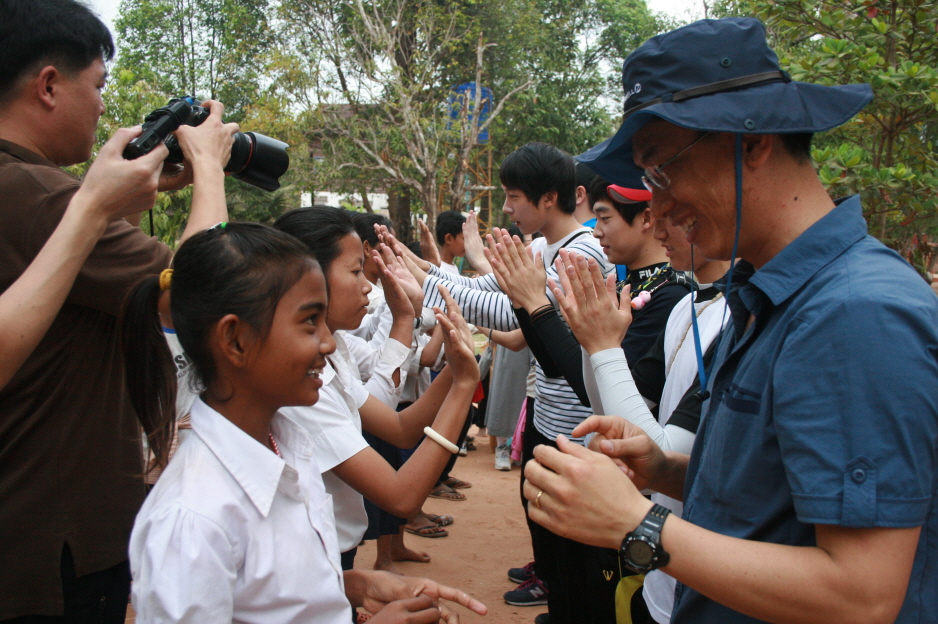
<point x="280" y="76"/>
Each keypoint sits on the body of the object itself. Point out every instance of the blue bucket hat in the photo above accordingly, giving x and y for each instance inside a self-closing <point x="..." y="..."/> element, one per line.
<point x="720" y="76"/>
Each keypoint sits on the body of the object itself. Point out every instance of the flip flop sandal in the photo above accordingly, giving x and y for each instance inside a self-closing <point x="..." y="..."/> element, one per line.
<point x="447" y="493"/>
<point x="444" y="520"/>
<point x="431" y="531"/>
<point x="457" y="484"/>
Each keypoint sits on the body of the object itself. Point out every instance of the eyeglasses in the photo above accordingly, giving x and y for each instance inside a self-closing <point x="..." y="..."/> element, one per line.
<point x="655" y="178"/>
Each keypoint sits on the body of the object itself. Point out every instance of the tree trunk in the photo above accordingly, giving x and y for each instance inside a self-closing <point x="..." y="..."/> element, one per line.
<point x="399" y="199"/>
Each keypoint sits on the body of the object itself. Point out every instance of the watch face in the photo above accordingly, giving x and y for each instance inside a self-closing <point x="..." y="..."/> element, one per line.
<point x="639" y="553"/>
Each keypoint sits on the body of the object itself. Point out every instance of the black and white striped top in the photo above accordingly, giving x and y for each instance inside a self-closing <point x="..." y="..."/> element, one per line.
<point x="557" y="410"/>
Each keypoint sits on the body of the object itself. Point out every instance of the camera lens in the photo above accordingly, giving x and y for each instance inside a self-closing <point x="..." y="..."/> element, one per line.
<point x="258" y="160"/>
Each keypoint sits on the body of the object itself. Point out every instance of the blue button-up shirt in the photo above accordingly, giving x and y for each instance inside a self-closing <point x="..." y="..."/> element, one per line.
<point x="824" y="408"/>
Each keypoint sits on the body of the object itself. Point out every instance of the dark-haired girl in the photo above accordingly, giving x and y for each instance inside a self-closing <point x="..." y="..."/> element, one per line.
<point x="346" y="407"/>
<point x="239" y="527"/>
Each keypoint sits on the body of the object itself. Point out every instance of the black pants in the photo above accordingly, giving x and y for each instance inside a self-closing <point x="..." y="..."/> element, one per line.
<point x="581" y="580"/>
<point x="96" y="598"/>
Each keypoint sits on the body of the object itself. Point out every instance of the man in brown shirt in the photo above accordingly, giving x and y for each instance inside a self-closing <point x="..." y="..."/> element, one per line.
<point x="70" y="452"/>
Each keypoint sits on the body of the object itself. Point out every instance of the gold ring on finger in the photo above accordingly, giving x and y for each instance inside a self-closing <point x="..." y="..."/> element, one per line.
<point x="537" y="499"/>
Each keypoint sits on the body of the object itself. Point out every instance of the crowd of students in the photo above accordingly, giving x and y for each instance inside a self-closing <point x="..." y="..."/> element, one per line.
<point x="742" y="427"/>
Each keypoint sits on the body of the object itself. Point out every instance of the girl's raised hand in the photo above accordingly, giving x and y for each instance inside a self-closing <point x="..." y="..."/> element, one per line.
<point x="394" y="294"/>
<point x="587" y="303"/>
<point x="456" y="318"/>
<point x="457" y="341"/>
<point x="404" y="277"/>
<point x="399" y="248"/>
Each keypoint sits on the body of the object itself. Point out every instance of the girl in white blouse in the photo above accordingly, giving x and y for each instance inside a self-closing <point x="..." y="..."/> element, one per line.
<point x="352" y="402"/>
<point x="239" y="527"/>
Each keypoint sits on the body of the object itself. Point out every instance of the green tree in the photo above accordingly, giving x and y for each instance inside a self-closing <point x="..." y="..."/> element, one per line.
<point x="215" y="49"/>
<point x="887" y="152"/>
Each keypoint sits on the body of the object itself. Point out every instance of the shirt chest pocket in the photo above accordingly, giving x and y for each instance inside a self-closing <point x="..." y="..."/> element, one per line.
<point x="741" y="463"/>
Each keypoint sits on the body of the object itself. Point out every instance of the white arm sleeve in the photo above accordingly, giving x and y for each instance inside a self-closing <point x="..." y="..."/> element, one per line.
<point x="184" y="569"/>
<point x="620" y="397"/>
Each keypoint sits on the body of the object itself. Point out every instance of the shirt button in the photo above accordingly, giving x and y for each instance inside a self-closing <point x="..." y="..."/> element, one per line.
<point x="858" y="475"/>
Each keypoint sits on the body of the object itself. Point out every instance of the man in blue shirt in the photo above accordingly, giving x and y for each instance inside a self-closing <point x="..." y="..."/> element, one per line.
<point x="810" y="492"/>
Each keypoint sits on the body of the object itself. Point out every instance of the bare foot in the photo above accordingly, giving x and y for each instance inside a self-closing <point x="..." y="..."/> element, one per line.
<point x="400" y="552"/>
<point x="403" y="553"/>
<point x="387" y="566"/>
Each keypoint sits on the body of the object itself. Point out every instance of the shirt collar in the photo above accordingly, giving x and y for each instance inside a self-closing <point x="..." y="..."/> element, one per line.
<point x="814" y="249"/>
<point x="27" y="156"/>
<point x="255" y="467"/>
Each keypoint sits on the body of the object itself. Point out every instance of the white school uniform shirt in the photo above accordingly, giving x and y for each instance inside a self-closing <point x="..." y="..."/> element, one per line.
<point x="234" y="533"/>
<point x="335" y="425"/>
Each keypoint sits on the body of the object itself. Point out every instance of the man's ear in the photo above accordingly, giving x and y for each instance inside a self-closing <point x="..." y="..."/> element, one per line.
<point x="757" y="148"/>
<point x="548" y="200"/>
<point x="448" y="238"/>
<point x="44" y="86"/>
<point x="648" y="220"/>
<point x="367" y="249"/>
<point x="580" y="194"/>
<point x="232" y="339"/>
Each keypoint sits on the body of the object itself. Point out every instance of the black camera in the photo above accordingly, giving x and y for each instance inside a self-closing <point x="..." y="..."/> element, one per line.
<point x="256" y="159"/>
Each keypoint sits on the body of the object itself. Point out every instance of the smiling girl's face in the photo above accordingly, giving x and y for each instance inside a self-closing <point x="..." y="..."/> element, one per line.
<point x="348" y="286"/>
<point x="288" y="361"/>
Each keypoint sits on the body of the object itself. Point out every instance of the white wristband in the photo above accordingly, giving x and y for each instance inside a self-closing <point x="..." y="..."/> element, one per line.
<point x="436" y="437"/>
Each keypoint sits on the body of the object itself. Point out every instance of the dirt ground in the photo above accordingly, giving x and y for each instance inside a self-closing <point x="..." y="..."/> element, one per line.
<point x="488" y="537"/>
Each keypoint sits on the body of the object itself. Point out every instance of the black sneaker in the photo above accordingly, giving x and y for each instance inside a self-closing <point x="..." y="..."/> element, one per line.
<point x="520" y="575"/>
<point x="531" y="593"/>
<point x="543" y="618"/>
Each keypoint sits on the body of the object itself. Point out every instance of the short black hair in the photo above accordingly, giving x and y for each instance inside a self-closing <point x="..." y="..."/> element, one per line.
<point x="598" y="191"/>
<point x="514" y="230"/>
<point x="365" y="223"/>
<point x="536" y="169"/>
<point x="320" y="229"/>
<point x="35" y="33"/>
<point x="448" y="222"/>
<point x="798" y="145"/>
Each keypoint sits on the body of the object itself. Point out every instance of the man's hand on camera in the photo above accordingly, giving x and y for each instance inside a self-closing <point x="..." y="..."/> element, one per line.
<point x="206" y="147"/>
<point x="113" y="187"/>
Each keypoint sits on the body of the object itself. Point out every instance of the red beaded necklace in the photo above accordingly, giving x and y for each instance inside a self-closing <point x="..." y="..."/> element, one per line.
<point x="273" y="443"/>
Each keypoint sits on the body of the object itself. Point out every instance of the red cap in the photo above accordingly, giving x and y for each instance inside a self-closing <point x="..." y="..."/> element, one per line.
<point x="625" y="195"/>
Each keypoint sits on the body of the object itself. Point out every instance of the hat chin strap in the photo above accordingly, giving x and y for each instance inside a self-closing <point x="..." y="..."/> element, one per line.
<point x="709" y="89"/>
<point x="703" y="394"/>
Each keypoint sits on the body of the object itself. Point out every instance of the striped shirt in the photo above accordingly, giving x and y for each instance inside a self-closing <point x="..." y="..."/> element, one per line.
<point x="557" y="410"/>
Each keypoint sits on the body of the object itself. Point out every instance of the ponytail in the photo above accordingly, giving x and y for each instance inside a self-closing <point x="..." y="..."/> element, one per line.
<point x="151" y="375"/>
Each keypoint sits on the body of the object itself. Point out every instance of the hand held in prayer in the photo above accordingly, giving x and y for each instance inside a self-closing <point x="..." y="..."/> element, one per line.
<point x="523" y="276"/>
<point x="589" y="304"/>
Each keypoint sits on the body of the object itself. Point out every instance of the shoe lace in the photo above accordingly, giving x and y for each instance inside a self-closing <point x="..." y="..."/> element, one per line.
<point x="528" y="584"/>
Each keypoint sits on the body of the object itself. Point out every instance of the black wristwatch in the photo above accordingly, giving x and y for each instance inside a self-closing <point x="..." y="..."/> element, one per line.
<point x="641" y="549"/>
